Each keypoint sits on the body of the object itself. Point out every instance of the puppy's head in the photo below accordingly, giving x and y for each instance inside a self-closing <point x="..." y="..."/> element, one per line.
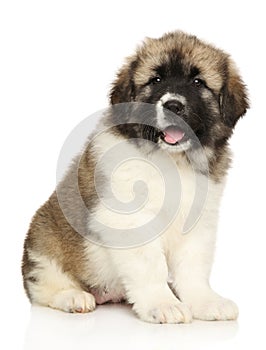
<point x="196" y="90"/>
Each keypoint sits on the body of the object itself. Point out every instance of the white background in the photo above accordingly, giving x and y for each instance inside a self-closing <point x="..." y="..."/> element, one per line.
<point x="58" y="59"/>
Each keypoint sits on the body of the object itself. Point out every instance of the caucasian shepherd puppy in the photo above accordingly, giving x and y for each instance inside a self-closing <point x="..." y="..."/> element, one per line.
<point x="162" y="144"/>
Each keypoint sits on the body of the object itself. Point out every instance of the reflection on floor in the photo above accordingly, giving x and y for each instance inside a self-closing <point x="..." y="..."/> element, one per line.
<point x="114" y="326"/>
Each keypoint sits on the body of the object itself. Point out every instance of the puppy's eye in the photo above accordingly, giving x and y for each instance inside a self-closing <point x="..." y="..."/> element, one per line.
<point x="155" y="80"/>
<point x="198" y="82"/>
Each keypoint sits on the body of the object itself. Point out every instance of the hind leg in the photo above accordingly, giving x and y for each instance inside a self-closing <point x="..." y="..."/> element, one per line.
<point x="47" y="285"/>
<point x="73" y="300"/>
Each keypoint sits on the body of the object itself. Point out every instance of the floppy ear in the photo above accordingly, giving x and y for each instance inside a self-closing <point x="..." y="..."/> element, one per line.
<point x="123" y="89"/>
<point x="233" y="98"/>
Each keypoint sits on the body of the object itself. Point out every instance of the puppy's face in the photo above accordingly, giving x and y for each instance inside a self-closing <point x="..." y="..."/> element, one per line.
<point x="197" y="93"/>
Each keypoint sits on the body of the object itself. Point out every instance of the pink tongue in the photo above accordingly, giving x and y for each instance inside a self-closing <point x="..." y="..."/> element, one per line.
<point x="173" y="135"/>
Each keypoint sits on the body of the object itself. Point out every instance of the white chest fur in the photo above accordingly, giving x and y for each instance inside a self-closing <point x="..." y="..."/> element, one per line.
<point x="146" y="193"/>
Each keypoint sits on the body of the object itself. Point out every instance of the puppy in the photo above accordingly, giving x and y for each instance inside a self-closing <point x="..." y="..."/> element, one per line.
<point x="134" y="218"/>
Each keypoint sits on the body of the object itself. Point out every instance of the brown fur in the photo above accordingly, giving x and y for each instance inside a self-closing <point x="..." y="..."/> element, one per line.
<point x="138" y="68"/>
<point x="215" y="66"/>
<point x="51" y="235"/>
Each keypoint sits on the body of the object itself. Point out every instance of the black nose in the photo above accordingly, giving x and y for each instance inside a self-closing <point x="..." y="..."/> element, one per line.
<point x="174" y="106"/>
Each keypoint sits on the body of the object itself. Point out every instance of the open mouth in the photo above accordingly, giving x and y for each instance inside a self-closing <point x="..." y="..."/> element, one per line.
<point x="173" y="135"/>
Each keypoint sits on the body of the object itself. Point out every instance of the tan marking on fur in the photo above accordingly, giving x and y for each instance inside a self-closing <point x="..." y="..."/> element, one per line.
<point x="219" y="164"/>
<point x="237" y="89"/>
<point x="51" y="237"/>
<point x="192" y="51"/>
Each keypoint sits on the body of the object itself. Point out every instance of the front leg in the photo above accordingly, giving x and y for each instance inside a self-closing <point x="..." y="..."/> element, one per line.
<point x="190" y="269"/>
<point x="143" y="272"/>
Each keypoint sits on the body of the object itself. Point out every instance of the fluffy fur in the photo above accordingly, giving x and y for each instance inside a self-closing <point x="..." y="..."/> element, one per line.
<point x="166" y="279"/>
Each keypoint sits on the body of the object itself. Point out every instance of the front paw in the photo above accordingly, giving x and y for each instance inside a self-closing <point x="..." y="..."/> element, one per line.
<point x="215" y="308"/>
<point x="167" y="311"/>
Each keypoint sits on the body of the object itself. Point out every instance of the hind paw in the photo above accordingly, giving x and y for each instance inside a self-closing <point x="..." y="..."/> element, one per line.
<point x="73" y="300"/>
